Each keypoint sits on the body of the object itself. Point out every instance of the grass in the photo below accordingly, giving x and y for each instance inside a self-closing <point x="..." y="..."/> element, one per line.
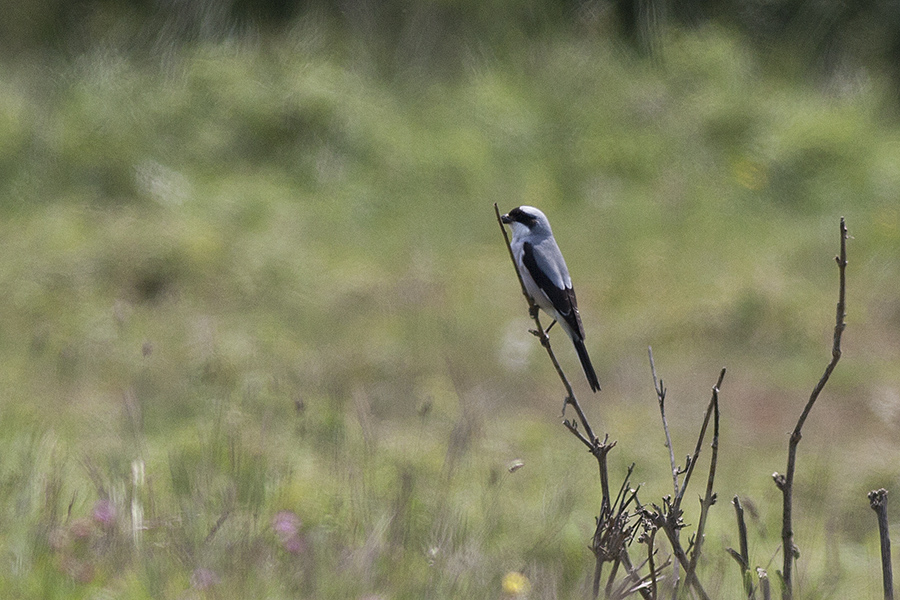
<point x="256" y="278"/>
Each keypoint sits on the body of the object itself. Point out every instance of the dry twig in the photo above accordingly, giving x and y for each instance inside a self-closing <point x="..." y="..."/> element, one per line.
<point x="669" y="517"/>
<point x="878" y="502"/>
<point x="764" y="583"/>
<point x="710" y="498"/>
<point x="742" y="556"/>
<point x="661" y="398"/>
<point x="785" y="482"/>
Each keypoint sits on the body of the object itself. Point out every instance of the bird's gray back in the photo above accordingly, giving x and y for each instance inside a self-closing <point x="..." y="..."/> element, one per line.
<point x="550" y="260"/>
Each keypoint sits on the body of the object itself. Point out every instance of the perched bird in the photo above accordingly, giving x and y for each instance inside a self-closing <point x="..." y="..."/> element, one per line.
<point x="546" y="277"/>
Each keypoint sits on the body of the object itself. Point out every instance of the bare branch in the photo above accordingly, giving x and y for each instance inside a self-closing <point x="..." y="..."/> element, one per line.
<point x="573" y="427"/>
<point x="672" y="514"/>
<point x="615" y="531"/>
<point x="786" y="482"/>
<point x="669" y="520"/>
<point x="646" y="585"/>
<point x="661" y="397"/>
<point x="878" y="502"/>
<point x="710" y="498"/>
<point x="690" y="577"/>
<point x="650" y="551"/>
<point x="764" y="583"/>
<point x="693" y="458"/>
<point x="742" y="557"/>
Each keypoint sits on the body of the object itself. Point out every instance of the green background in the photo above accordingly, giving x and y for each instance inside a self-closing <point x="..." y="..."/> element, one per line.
<point x="251" y="264"/>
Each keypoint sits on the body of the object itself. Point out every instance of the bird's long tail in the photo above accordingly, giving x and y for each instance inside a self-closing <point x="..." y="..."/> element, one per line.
<point x="586" y="365"/>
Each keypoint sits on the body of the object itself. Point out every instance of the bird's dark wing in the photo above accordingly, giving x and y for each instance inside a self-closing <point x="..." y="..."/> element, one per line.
<point x="563" y="299"/>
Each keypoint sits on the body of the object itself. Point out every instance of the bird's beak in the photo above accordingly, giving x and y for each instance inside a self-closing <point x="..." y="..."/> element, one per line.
<point x="506" y="219"/>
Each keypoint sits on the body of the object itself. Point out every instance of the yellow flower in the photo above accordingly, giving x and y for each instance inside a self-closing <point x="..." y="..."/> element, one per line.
<point x="516" y="584"/>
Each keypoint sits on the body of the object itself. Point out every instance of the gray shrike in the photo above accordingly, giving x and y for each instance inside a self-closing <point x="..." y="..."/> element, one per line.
<point x="546" y="277"/>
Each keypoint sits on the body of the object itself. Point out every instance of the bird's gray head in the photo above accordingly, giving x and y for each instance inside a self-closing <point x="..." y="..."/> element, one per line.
<point x="527" y="219"/>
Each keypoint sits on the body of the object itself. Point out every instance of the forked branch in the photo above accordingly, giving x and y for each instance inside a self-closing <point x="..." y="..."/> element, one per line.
<point x="669" y="516"/>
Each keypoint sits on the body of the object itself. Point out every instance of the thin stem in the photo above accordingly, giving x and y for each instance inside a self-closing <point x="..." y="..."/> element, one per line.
<point x="635" y="576"/>
<point x="650" y="552"/>
<point x="611" y="579"/>
<point x="678" y="551"/>
<point x="600" y="452"/>
<point x="786" y="482"/>
<point x="660" y="388"/>
<point x="764" y="584"/>
<point x="661" y="398"/>
<point x="743" y="557"/>
<point x="675" y="509"/>
<point x="878" y="502"/>
<point x="598" y="576"/>
<point x="693" y="459"/>
<point x="710" y="498"/>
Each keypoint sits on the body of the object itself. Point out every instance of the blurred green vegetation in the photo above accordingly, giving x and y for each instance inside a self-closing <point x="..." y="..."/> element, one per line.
<point x="259" y="274"/>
